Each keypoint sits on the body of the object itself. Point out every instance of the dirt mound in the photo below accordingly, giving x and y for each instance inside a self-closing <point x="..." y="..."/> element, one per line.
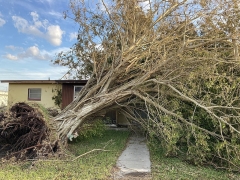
<point x="24" y="133"/>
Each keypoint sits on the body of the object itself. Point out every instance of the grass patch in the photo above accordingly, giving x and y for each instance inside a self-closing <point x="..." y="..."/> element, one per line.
<point x="95" y="165"/>
<point x="174" y="168"/>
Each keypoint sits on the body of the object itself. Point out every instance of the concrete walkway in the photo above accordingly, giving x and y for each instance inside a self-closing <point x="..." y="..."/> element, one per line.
<point x="134" y="160"/>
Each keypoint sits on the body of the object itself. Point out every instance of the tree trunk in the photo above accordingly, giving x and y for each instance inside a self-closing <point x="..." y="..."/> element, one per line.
<point x="73" y="117"/>
<point x="176" y="65"/>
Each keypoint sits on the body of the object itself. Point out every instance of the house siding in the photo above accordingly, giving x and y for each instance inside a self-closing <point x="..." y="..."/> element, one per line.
<point x="67" y="92"/>
<point x="19" y="93"/>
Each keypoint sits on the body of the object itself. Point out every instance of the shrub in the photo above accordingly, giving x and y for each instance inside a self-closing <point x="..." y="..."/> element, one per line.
<point x="91" y="129"/>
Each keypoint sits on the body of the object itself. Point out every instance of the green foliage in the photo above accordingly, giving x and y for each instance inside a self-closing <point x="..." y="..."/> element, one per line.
<point x="57" y="97"/>
<point x="43" y="110"/>
<point x="94" y="129"/>
<point x="169" y="168"/>
<point x="171" y="131"/>
<point x="189" y="66"/>
<point x="204" y="139"/>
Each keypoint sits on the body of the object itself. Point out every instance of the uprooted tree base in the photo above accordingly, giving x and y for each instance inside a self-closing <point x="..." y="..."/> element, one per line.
<point x="24" y="133"/>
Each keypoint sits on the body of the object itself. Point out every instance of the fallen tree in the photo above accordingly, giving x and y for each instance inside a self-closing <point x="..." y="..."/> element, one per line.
<point x="178" y="61"/>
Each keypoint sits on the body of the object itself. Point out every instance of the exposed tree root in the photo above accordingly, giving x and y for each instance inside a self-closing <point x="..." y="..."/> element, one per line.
<point x="24" y="133"/>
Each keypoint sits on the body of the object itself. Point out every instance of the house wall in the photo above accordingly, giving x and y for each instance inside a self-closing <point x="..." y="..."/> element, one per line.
<point x="3" y="98"/>
<point x="121" y="119"/>
<point x="67" y="92"/>
<point x="19" y="93"/>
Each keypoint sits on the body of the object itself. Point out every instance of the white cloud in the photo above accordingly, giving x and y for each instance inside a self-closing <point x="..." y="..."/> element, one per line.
<point x="58" y="50"/>
<point x="13" y="47"/>
<point x="35" y="16"/>
<point x="54" y="35"/>
<point x="43" y="29"/>
<point x="56" y="14"/>
<point x="24" y="27"/>
<point x="73" y="36"/>
<point x="32" y="52"/>
<point x="10" y="47"/>
<point x="2" y="22"/>
<point x="11" y="57"/>
<point x="48" y="1"/>
<point x="37" y="23"/>
<point x="20" y="23"/>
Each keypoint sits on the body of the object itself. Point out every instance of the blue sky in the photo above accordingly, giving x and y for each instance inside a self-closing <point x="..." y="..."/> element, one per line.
<point x="32" y="32"/>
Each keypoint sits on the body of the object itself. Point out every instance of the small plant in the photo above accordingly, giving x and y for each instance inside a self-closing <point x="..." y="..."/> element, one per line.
<point x="57" y="97"/>
<point x="89" y="130"/>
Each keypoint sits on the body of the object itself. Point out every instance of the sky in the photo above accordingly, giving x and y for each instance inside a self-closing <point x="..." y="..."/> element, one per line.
<point x="32" y="33"/>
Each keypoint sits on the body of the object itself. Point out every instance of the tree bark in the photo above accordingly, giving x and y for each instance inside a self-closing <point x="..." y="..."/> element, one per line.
<point x="175" y="62"/>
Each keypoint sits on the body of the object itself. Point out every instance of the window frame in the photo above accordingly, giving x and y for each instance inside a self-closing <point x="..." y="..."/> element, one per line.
<point x="74" y="92"/>
<point x="34" y="99"/>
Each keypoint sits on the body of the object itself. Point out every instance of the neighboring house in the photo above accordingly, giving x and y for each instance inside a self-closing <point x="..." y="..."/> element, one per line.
<point x="43" y="91"/>
<point x="3" y="98"/>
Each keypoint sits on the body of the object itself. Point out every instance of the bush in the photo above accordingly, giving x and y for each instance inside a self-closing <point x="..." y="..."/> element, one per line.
<point x="91" y="129"/>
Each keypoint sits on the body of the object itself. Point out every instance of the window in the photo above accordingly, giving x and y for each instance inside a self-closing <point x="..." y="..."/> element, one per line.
<point x="77" y="89"/>
<point x="34" y="94"/>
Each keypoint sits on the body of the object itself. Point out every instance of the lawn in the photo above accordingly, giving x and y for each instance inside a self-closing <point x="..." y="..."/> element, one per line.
<point x="98" y="164"/>
<point x="164" y="168"/>
<point x="94" y="165"/>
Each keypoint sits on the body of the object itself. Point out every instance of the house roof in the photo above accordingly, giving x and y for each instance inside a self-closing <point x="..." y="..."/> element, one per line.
<point x="71" y="81"/>
<point x="44" y="81"/>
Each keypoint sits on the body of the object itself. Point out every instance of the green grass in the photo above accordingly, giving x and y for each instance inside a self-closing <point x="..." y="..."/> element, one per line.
<point x="98" y="164"/>
<point x="164" y="168"/>
<point x="95" y="165"/>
